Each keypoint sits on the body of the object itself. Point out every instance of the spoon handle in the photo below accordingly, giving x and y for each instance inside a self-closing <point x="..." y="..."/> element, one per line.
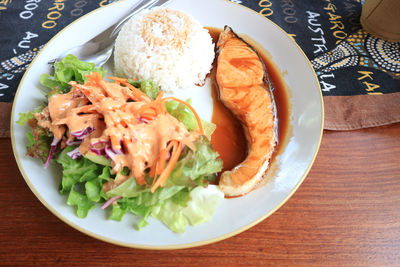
<point x="103" y="42"/>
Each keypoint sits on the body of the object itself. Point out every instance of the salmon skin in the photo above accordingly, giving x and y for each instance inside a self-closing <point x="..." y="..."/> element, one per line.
<point x="245" y="89"/>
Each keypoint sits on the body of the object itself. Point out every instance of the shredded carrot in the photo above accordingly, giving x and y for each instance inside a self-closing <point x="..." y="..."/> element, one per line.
<point x="137" y="93"/>
<point x="80" y="87"/>
<point x="74" y="89"/>
<point x="126" y="142"/>
<point x="147" y="116"/>
<point x="160" y="95"/>
<point x="191" y="108"/>
<point x="134" y="97"/>
<point x="123" y="123"/>
<point x="94" y="77"/>
<point x="117" y="79"/>
<point x="171" y="163"/>
<point x="86" y="91"/>
<point x="163" y="157"/>
<point x="152" y="172"/>
<point x="115" y="142"/>
<point x="159" y="166"/>
<point x="141" y="180"/>
<point x="149" y="110"/>
<point x="85" y="109"/>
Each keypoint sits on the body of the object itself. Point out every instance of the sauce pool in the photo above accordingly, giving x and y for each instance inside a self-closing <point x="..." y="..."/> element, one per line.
<point x="229" y="138"/>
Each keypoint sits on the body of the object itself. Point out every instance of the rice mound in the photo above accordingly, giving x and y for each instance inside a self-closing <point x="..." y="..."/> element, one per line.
<point x="166" y="46"/>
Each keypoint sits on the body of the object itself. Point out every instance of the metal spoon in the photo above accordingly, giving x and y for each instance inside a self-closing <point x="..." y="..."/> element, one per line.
<point x="99" y="49"/>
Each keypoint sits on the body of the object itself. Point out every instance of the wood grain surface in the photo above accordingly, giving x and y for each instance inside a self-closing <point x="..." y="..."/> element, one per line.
<point x="346" y="213"/>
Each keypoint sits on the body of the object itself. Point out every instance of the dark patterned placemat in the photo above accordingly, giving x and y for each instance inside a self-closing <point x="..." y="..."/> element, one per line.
<point x="359" y="74"/>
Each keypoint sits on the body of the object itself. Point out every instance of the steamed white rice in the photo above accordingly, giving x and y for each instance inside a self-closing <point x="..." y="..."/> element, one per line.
<point x="166" y="46"/>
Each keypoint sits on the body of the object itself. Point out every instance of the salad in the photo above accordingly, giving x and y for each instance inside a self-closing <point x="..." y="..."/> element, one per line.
<point x="123" y="146"/>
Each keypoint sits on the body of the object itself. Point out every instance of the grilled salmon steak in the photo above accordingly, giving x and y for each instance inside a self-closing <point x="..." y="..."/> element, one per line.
<point x="244" y="88"/>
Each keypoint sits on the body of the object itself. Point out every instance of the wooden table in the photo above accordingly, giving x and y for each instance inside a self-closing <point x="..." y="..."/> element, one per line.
<point x="346" y="213"/>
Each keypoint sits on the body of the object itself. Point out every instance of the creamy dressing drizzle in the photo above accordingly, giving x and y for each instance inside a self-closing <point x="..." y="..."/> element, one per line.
<point x="104" y="107"/>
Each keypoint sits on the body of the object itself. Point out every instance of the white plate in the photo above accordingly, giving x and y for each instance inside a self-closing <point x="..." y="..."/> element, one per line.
<point x="232" y="215"/>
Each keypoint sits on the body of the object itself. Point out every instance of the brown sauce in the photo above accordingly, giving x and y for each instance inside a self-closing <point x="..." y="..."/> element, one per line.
<point x="229" y="138"/>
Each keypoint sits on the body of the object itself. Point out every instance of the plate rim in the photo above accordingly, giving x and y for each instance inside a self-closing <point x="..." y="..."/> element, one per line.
<point x="163" y="247"/>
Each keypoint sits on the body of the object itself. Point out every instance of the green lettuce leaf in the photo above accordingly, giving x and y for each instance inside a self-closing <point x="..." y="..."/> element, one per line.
<point x="208" y="128"/>
<point x="39" y="139"/>
<point x="186" y="116"/>
<point x="206" y="162"/>
<point x="202" y="204"/>
<point x="117" y="213"/>
<point x="172" y="216"/>
<point x="182" y="197"/>
<point x="195" y="167"/>
<point x="183" y="113"/>
<point x="174" y="204"/>
<point x="83" y="180"/>
<point x="39" y="143"/>
<point x="148" y="87"/>
<point x="129" y="188"/>
<point x="93" y="190"/>
<point x="83" y="203"/>
<point x="70" y="68"/>
<point x="76" y="170"/>
<point x="131" y="205"/>
<point x="25" y="117"/>
<point x="199" y="209"/>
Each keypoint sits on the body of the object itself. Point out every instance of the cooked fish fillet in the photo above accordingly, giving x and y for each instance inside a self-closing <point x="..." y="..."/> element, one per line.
<point x="244" y="88"/>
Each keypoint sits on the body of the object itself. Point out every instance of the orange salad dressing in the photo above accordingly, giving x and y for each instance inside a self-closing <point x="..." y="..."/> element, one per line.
<point x="142" y="129"/>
